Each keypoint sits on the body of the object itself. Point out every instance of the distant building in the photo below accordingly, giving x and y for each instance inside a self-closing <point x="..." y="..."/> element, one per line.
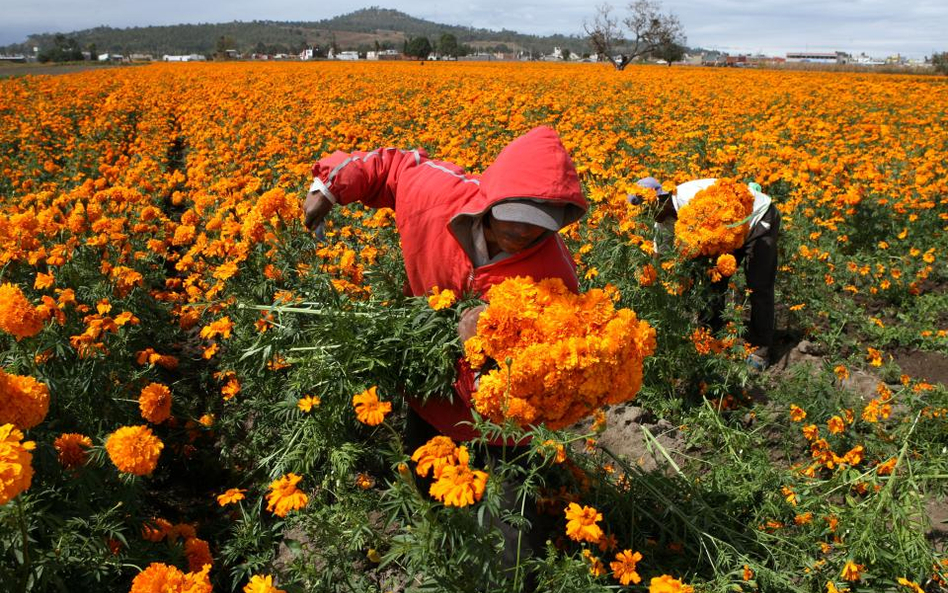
<point x="14" y="58"/>
<point x="815" y="57"/>
<point x="350" y="56"/>
<point x="307" y="54"/>
<point x="187" y="58"/>
<point x="141" y="57"/>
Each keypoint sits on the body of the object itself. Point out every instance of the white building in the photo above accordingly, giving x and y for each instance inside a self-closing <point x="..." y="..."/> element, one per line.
<point x="306" y="54"/>
<point x="187" y="58"/>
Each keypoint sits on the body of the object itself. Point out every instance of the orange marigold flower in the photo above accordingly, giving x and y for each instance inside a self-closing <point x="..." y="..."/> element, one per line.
<point x="232" y="496"/>
<point x="748" y="573"/>
<point x="364" y="481"/>
<point x="836" y="425"/>
<point x="887" y="467"/>
<point x="581" y="523"/>
<point x="198" y="553"/>
<point x="811" y="432"/>
<point x="134" y="449"/>
<point x="441" y="299"/>
<point x="851" y="571"/>
<point x="667" y="584"/>
<point x="437" y="453"/>
<point x="570" y="354"/>
<point x="161" y="578"/>
<point x="155" y="530"/>
<point x="797" y="414"/>
<point x="803" y="518"/>
<point x="71" y="449"/>
<point x="459" y="485"/>
<point x="369" y="410"/>
<point x="155" y="403"/>
<point x="726" y="265"/>
<point x="623" y="568"/>
<point x="17" y="316"/>
<point x="222" y="327"/>
<point x="308" y="402"/>
<point x="715" y="220"/>
<point x="261" y="584"/>
<point x="16" y="463"/>
<point x="231" y="389"/>
<point x="648" y="275"/>
<point x="874" y="357"/>
<point x="284" y="496"/>
<point x="24" y="401"/>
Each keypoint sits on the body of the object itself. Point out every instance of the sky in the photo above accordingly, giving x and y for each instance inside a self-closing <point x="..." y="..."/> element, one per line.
<point x="880" y="28"/>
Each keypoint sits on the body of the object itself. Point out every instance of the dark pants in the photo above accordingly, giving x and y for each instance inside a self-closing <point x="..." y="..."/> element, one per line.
<point x="759" y="256"/>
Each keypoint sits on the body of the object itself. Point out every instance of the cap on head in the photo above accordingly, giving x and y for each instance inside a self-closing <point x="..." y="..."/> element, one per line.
<point x="652" y="183"/>
<point x="548" y="216"/>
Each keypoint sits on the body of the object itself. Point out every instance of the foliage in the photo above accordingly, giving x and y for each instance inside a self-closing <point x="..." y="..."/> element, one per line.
<point x="151" y="217"/>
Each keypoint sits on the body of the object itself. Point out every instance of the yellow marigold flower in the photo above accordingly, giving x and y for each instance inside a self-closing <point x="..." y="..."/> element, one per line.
<point x="71" y="449"/>
<point x="851" y="571"/>
<point x="459" y="485"/>
<point x="831" y="588"/>
<point x="667" y="584"/>
<point x="43" y="281"/>
<point x="24" y="401"/>
<point x="233" y="495"/>
<point x="874" y="357"/>
<point x="16" y="463"/>
<point x="623" y="568"/>
<point x="581" y="523"/>
<point x="134" y="449"/>
<point x="789" y="495"/>
<point x="207" y="420"/>
<point x="198" y="553"/>
<point x="155" y="403"/>
<point x="726" y="265"/>
<point x="284" y="496"/>
<point x="161" y="578"/>
<point x="261" y="584"/>
<point x="307" y="403"/>
<point x="836" y="425"/>
<point x="369" y="410"/>
<point x="441" y="299"/>
<point x="797" y="414"/>
<point x="437" y="453"/>
<point x="913" y="586"/>
<point x="17" y="316"/>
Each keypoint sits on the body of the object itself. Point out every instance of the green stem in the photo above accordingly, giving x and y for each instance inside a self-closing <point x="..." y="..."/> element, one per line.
<point x="24" y="533"/>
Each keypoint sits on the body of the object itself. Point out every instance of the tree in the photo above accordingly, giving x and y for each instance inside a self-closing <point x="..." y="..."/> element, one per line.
<point x="419" y="47"/>
<point x="64" y="50"/>
<point x="448" y="45"/>
<point x="650" y="32"/>
<point x="940" y="62"/>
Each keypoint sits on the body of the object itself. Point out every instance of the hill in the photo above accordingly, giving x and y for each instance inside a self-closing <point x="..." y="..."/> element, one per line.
<point x="363" y="29"/>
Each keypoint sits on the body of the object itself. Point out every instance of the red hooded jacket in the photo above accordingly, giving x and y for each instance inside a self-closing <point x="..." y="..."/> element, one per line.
<point x="435" y="205"/>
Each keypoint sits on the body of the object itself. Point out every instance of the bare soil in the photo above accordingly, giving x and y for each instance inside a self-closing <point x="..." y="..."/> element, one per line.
<point x="931" y="367"/>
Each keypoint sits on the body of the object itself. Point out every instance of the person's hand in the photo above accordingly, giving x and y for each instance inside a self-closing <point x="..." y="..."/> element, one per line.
<point x="467" y="326"/>
<point x="315" y="209"/>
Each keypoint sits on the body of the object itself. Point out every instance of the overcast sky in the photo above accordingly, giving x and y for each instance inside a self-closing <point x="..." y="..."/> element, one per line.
<point x="915" y="28"/>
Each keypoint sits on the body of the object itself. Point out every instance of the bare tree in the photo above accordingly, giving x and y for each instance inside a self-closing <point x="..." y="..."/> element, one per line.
<point x="651" y="33"/>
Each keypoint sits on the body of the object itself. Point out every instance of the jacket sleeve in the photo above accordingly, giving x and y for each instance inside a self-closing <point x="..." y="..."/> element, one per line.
<point x="368" y="177"/>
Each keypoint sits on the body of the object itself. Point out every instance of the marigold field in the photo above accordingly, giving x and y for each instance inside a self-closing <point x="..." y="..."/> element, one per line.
<point x="198" y="394"/>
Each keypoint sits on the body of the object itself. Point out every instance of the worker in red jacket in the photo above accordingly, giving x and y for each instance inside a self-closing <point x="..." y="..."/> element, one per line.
<point x="463" y="232"/>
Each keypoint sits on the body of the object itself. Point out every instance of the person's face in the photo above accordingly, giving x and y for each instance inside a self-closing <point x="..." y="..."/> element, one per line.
<point x="512" y="237"/>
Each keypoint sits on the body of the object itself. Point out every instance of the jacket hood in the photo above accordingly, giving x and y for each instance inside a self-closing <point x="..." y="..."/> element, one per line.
<point x="535" y="166"/>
